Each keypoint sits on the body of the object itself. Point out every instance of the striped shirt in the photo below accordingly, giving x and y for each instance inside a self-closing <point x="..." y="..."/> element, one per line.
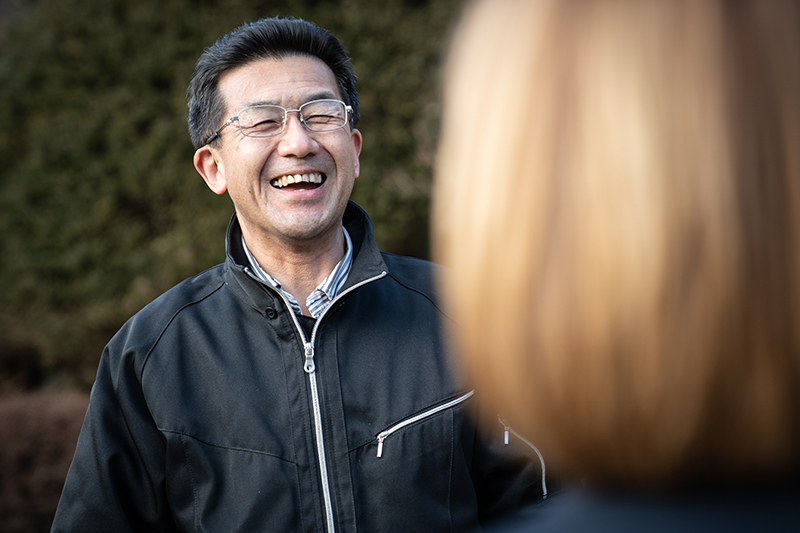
<point x="325" y="292"/>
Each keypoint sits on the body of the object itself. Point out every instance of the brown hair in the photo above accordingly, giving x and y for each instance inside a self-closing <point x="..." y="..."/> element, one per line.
<point x="618" y="195"/>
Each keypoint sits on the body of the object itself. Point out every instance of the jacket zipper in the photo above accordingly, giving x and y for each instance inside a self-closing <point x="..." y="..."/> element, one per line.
<point x="416" y="418"/>
<point x="509" y="429"/>
<point x="310" y="368"/>
<point x="320" y="440"/>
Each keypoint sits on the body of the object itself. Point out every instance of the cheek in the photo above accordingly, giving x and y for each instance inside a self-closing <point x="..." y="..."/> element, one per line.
<point x="247" y="167"/>
<point x="347" y="158"/>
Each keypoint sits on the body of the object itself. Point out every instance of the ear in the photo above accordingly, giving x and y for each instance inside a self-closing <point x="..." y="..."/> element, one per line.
<point x="211" y="168"/>
<point x="356" y="136"/>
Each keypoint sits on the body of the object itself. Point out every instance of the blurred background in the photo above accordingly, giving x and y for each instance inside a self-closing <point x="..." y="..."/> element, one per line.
<point x="101" y="209"/>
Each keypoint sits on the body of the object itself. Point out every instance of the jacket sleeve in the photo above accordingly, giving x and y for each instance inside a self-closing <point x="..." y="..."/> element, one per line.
<point x="508" y="473"/>
<point x="117" y="480"/>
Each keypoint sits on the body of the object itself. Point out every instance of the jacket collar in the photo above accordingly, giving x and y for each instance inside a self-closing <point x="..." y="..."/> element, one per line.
<point x="367" y="259"/>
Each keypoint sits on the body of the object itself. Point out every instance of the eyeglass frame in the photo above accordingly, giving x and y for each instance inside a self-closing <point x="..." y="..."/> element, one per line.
<point x="347" y="112"/>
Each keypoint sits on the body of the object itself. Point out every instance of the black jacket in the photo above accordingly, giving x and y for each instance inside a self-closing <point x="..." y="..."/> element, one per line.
<point x="216" y="408"/>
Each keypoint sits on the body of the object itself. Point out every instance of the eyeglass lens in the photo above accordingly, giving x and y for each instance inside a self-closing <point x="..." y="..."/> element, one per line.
<point x="267" y="120"/>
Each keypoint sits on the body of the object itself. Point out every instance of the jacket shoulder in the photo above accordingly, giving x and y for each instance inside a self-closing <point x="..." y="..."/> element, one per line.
<point x="416" y="274"/>
<point x="142" y="331"/>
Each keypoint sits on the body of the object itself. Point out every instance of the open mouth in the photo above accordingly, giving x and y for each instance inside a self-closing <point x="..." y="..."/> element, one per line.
<point x="299" y="182"/>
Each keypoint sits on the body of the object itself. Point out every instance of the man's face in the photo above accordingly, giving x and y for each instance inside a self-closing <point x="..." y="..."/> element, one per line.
<point x="249" y="167"/>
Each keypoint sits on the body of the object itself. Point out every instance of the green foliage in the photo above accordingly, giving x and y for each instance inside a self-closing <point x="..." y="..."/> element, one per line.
<point x="101" y="209"/>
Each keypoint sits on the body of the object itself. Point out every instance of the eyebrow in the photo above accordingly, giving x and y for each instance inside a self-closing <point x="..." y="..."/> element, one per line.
<point x="320" y="95"/>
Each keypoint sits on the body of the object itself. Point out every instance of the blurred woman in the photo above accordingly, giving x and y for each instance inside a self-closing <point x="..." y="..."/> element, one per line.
<point x="618" y="195"/>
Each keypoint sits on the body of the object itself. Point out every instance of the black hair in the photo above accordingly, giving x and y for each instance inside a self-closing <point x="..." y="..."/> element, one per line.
<point x="267" y="38"/>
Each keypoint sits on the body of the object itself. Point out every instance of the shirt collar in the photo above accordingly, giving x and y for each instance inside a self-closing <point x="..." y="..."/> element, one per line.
<point x="321" y="297"/>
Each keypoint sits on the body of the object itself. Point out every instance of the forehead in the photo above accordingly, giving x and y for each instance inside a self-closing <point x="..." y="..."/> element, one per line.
<point x="289" y="82"/>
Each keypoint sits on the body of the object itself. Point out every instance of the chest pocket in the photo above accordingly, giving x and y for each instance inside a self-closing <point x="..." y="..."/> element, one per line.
<point x="418" y="463"/>
<point x="383" y="435"/>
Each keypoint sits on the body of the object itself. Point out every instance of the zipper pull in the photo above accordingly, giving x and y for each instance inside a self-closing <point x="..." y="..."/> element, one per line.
<point x="309" y="366"/>
<point x="381" y="438"/>
<point x="505" y="427"/>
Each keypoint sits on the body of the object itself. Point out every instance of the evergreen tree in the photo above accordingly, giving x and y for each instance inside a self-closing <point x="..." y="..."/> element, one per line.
<point x="100" y="207"/>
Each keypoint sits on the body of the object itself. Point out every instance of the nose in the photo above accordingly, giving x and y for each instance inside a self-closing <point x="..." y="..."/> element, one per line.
<point x="296" y="140"/>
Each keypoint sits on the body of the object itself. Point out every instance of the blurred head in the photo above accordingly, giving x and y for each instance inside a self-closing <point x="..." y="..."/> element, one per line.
<point x="269" y="38"/>
<point x="618" y="194"/>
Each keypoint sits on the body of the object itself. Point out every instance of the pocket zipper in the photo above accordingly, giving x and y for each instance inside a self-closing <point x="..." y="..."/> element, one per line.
<point x="416" y="418"/>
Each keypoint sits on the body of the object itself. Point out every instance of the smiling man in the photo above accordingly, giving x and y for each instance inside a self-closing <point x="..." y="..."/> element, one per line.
<point x="290" y="183"/>
<point x="303" y="385"/>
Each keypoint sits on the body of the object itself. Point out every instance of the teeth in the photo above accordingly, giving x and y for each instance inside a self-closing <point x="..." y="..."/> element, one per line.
<point x="289" y="179"/>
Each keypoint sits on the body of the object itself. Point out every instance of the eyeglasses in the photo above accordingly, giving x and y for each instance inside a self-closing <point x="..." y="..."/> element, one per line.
<point x="269" y="120"/>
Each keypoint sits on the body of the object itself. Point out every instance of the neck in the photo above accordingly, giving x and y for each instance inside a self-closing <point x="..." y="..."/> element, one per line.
<point x="300" y="267"/>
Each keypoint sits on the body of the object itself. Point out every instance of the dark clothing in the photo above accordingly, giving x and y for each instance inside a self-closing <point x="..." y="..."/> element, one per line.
<point x="752" y="509"/>
<point x="216" y="409"/>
